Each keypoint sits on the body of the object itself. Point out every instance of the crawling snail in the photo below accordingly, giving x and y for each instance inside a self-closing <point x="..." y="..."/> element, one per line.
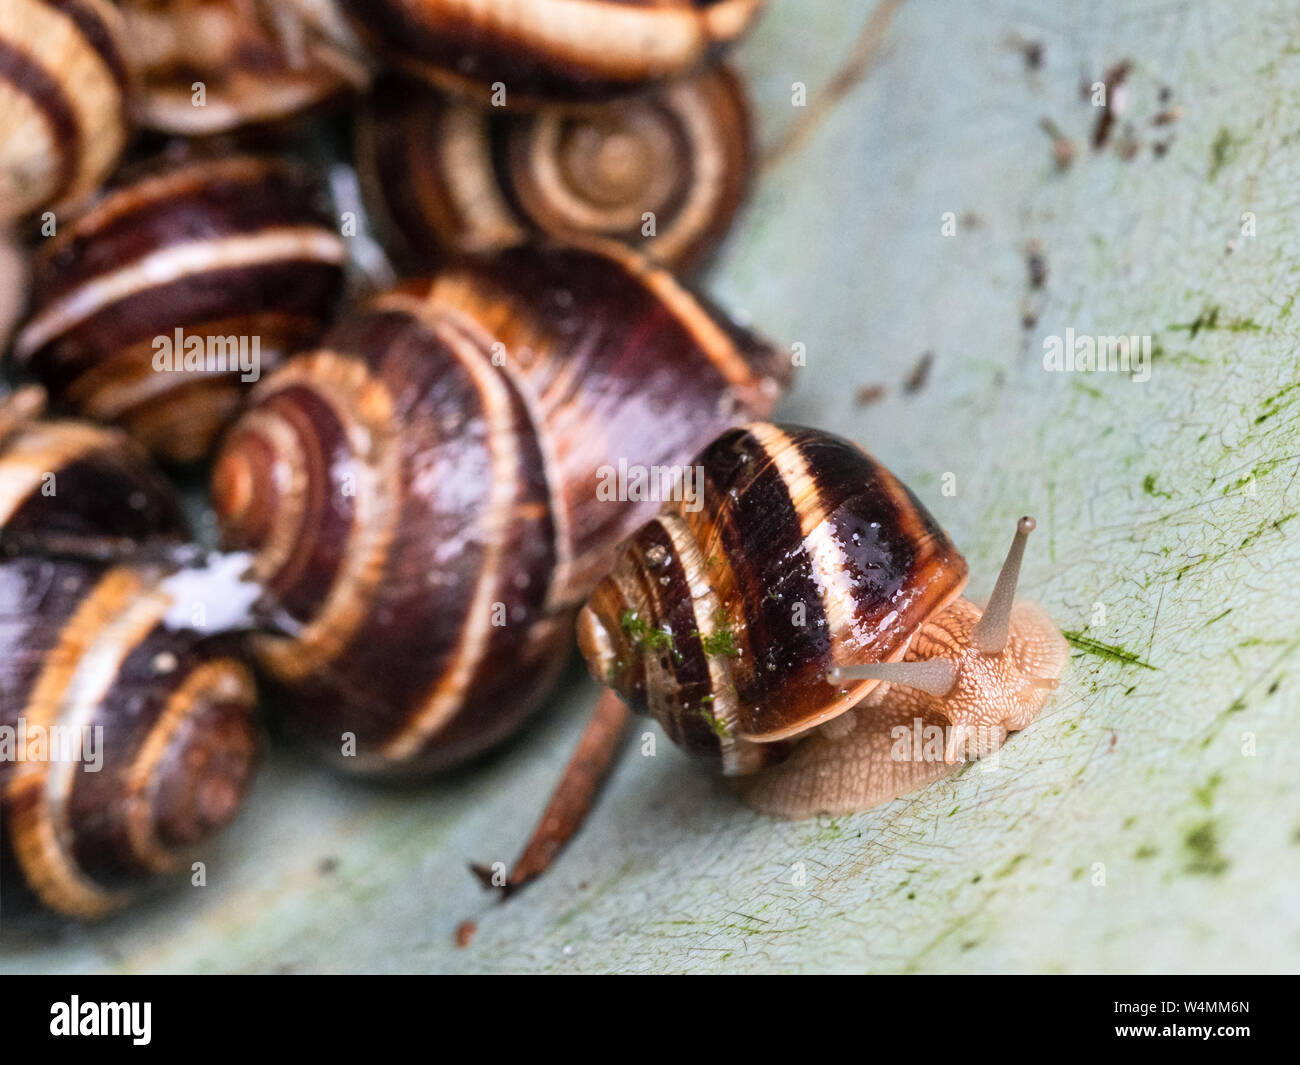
<point x="664" y="171"/>
<point x="158" y="305"/>
<point x="208" y="66"/>
<point x="127" y="735"/>
<point x="65" y="83"/>
<point x="550" y="50"/>
<point x="421" y="493"/>
<point x="783" y="626"/>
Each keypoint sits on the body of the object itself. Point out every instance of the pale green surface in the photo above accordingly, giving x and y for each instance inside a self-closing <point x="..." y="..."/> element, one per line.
<point x="842" y="250"/>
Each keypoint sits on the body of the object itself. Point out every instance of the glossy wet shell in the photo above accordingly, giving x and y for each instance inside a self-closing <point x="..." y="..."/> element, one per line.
<point x="422" y="492"/>
<point x="723" y="614"/>
<point x="223" y="250"/>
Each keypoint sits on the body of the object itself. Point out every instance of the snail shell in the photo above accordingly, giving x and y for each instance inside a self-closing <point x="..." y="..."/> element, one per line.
<point x="423" y="493"/>
<point x="76" y="480"/>
<point x="233" y="258"/>
<point x="92" y="654"/>
<point x="255" y="62"/>
<point x="568" y="50"/>
<point x="722" y="623"/>
<point x="64" y="85"/>
<point x="444" y="174"/>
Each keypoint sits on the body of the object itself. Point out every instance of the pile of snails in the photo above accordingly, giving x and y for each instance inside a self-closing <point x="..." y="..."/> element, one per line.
<point x="406" y="477"/>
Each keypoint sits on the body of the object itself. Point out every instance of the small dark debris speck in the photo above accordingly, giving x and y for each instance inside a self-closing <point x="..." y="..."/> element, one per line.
<point x="1036" y="262"/>
<point x="919" y="374"/>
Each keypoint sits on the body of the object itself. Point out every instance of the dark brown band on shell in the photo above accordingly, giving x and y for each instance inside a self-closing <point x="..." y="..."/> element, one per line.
<point x="440" y="511"/>
<point x="63" y="93"/>
<point x="802" y="553"/>
<point x="75" y="480"/>
<point x="234" y="258"/>
<point x="164" y="715"/>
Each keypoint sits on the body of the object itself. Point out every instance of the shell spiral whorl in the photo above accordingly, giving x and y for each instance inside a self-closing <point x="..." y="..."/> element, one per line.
<point x="422" y="492"/>
<point x="90" y="651"/>
<point x="446" y="175"/>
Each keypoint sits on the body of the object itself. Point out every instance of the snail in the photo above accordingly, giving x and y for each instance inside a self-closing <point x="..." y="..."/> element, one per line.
<point x="210" y="66"/>
<point x="128" y="737"/>
<point x="431" y="494"/>
<point x="157" y="306"/>
<point x="664" y="171"/>
<point x="782" y="630"/>
<point x="126" y="730"/>
<point x="65" y="82"/>
<point x="70" y="481"/>
<point x="550" y="50"/>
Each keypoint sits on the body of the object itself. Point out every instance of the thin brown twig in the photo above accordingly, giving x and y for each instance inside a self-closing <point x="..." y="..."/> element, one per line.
<point x="854" y="69"/>
<point x="572" y="798"/>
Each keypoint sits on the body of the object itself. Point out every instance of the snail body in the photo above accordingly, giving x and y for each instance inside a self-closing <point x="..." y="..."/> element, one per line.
<point x="811" y="582"/>
<point x="65" y="82"/>
<point x="664" y="172"/>
<point x="423" y="494"/>
<point x="155" y="308"/>
<point x="550" y="50"/>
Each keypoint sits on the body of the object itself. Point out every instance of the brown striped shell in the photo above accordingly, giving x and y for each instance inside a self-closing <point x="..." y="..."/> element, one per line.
<point x="664" y="171"/>
<point x="424" y="492"/>
<point x="234" y="258"/>
<point x="723" y="614"/>
<point x="75" y="481"/>
<point x="254" y="61"/>
<point x="65" y="81"/>
<point x="550" y="50"/>
<point x="164" y="715"/>
<point x="85" y="643"/>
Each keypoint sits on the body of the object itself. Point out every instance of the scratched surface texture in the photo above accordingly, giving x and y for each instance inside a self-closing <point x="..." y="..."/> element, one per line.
<point x="1150" y="820"/>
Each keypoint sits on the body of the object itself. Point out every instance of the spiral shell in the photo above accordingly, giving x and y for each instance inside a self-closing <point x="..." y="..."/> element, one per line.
<point x="560" y="50"/>
<point x="132" y="738"/>
<point x="423" y="493"/>
<point x="721" y="622"/>
<point x="208" y="66"/>
<point x="77" y="480"/>
<point x="156" y="307"/>
<point x="64" y="87"/>
<point x="664" y="172"/>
